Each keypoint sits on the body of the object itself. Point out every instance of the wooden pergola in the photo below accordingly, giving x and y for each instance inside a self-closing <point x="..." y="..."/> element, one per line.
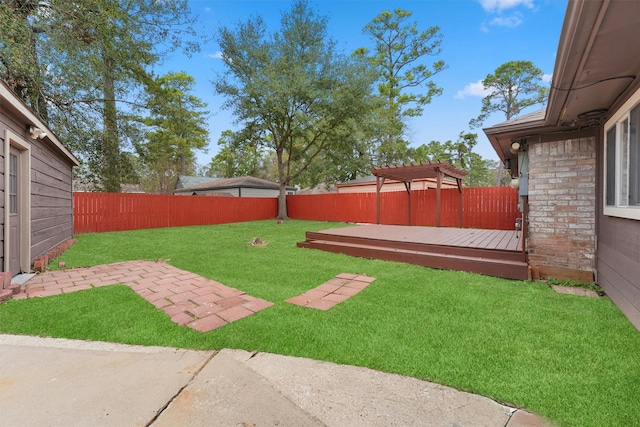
<point x="408" y="173"/>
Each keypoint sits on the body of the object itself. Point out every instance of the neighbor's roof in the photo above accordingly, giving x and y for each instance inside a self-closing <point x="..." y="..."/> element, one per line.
<point x="363" y="180"/>
<point x="11" y="102"/>
<point x="321" y="188"/>
<point x="242" y="181"/>
<point x="186" y="181"/>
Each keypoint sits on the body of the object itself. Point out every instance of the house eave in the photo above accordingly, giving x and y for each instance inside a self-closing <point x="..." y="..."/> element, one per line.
<point x="503" y="134"/>
<point x="573" y="40"/>
<point x="596" y="63"/>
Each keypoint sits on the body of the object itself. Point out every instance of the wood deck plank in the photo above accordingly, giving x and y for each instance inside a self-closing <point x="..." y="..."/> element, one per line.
<point x="515" y="242"/>
<point x="489" y="242"/>
<point x="474" y="239"/>
<point x="466" y="237"/>
<point x="500" y="237"/>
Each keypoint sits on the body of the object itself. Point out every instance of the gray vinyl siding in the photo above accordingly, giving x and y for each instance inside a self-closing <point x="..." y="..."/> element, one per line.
<point x="51" y="199"/>
<point x="619" y="273"/>
<point x="618" y="256"/>
<point x="51" y="191"/>
<point x="259" y="192"/>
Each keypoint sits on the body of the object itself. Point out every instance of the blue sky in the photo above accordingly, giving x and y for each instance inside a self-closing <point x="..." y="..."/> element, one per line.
<point x="479" y="35"/>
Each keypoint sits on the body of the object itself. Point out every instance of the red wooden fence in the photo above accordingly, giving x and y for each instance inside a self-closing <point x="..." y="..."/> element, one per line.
<point x="486" y="207"/>
<point x="97" y="212"/>
<point x="483" y="207"/>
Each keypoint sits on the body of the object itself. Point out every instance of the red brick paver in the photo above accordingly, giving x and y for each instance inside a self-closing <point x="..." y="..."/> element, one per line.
<point x="333" y="292"/>
<point x="197" y="302"/>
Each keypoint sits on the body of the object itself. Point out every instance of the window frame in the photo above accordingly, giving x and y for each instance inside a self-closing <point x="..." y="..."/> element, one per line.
<point x="615" y="121"/>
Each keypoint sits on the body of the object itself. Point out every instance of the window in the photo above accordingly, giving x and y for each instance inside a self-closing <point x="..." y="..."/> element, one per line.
<point x="13" y="184"/>
<point x="622" y="161"/>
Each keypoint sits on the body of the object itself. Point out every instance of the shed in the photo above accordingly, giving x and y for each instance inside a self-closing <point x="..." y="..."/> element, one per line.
<point x="36" y="186"/>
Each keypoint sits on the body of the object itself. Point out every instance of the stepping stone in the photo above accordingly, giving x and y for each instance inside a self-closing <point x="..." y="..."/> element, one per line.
<point x="332" y="292"/>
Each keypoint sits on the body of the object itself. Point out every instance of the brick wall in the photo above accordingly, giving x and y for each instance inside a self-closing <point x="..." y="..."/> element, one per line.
<point x="562" y="200"/>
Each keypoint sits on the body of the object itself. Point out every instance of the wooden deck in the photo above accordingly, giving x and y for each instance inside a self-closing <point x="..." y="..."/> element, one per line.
<point x="495" y="253"/>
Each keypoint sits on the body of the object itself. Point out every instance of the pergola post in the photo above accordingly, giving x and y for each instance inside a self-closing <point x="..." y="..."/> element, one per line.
<point x="459" y="181"/>
<point x="407" y="173"/>
<point x="407" y="185"/>
<point x="379" y="183"/>
<point x="438" y="208"/>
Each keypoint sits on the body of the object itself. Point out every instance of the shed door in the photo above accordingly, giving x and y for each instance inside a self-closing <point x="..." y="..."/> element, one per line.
<point x="14" y="212"/>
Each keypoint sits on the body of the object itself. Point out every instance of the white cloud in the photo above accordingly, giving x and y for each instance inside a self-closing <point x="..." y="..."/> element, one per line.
<point x="547" y="78"/>
<point x="500" y="5"/>
<point x="507" y="21"/>
<point x="473" y="89"/>
<point x="217" y="55"/>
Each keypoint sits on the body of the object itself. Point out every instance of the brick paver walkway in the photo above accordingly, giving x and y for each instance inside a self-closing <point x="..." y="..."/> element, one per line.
<point x="334" y="291"/>
<point x="189" y="299"/>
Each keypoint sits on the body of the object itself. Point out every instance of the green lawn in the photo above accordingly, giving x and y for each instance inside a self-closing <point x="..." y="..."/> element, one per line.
<point x="575" y="360"/>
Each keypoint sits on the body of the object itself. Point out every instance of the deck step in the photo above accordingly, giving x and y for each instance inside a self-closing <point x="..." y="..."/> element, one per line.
<point x="496" y="266"/>
<point x="5" y="294"/>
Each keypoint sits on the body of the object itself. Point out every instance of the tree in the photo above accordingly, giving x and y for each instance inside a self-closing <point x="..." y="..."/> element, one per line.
<point x="514" y="86"/>
<point x="480" y="172"/>
<point x="177" y="127"/>
<point x="347" y="160"/>
<point x="398" y="57"/>
<point x="86" y="59"/>
<point x="292" y="89"/>
<point x="240" y="155"/>
<point x="19" y="63"/>
<point x="460" y="154"/>
<point x="457" y="153"/>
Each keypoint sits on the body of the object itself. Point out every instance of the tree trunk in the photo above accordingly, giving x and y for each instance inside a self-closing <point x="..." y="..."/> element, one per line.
<point x="110" y="178"/>
<point x="282" y="195"/>
<point x="27" y="84"/>
<point x="282" y="202"/>
<point x="38" y="101"/>
<point x="183" y="162"/>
